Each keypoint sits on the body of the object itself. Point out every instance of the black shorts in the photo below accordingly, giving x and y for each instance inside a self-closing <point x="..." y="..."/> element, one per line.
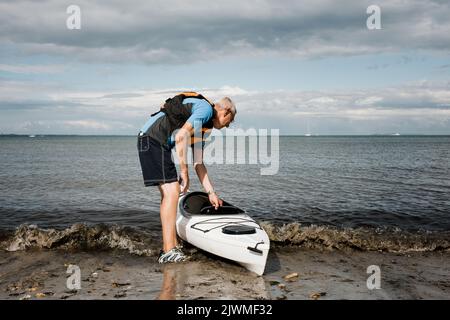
<point x="156" y="162"/>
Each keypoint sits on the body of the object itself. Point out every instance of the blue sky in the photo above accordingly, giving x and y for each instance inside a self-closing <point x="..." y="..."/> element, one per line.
<point x="287" y="65"/>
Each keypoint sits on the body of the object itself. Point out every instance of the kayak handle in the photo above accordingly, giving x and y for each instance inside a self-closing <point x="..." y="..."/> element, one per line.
<point x="255" y="248"/>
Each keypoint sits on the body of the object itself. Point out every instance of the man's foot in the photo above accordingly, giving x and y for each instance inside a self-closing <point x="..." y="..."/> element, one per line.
<point x="173" y="255"/>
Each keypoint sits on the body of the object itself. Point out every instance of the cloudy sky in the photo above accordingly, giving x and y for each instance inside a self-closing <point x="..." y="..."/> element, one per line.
<point x="294" y="65"/>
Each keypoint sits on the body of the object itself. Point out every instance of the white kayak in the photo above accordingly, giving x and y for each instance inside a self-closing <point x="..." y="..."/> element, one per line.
<point x="227" y="232"/>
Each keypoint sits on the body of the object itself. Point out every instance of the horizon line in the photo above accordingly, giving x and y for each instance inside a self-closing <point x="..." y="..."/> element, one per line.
<point x="281" y="135"/>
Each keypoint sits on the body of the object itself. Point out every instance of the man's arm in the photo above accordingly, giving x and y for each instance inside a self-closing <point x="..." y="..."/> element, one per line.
<point x="182" y="139"/>
<point x="202" y="174"/>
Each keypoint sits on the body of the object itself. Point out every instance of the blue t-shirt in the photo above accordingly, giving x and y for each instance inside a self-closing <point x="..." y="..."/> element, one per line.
<point x="201" y="111"/>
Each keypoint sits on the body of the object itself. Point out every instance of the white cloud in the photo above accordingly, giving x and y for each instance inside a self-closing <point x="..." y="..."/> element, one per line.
<point x="368" y="101"/>
<point x="414" y="106"/>
<point x="321" y="100"/>
<point x="87" y="124"/>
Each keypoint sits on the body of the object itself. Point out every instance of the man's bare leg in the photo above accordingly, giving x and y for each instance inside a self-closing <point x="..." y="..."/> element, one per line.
<point x="168" y="212"/>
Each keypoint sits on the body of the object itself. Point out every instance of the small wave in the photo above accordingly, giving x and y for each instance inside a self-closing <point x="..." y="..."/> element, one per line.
<point x="80" y="236"/>
<point x="363" y="239"/>
<point x="95" y="237"/>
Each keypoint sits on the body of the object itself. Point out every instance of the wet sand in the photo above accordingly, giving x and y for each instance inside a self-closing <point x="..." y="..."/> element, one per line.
<point x="116" y="274"/>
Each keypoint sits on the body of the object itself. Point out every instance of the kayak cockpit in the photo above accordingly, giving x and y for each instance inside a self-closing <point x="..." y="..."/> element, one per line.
<point x="197" y="203"/>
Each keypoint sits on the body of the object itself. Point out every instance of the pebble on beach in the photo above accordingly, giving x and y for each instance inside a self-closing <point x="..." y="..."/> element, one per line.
<point x="119" y="284"/>
<point x="317" y="295"/>
<point x="291" y="277"/>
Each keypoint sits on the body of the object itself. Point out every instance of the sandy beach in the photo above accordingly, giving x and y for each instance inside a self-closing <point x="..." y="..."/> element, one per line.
<point x="321" y="274"/>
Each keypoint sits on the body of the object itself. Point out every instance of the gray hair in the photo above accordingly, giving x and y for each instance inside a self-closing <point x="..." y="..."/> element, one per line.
<point x="227" y="104"/>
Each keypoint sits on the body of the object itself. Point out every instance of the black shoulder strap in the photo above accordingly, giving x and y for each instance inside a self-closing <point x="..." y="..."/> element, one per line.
<point x="192" y="94"/>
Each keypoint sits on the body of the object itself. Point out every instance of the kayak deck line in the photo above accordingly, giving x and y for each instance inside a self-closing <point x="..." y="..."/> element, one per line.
<point x="214" y="221"/>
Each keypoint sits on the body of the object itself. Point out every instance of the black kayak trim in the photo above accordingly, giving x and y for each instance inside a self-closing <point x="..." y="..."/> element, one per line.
<point x="197" y="203"/>
<point x="239" y="229"/>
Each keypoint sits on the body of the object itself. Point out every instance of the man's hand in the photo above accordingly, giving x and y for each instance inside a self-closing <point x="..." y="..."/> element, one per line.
<point x="215" y="201"/>
<point x="184" y="182"/>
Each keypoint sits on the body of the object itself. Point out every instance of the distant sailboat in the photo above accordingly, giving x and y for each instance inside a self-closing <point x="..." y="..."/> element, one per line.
<point x="396" y="134"/>
<point x="308" y="133"/>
